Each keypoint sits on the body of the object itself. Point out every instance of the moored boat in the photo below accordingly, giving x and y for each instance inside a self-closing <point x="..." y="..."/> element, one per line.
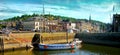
<point x="56" y="46"/>
<point x="36" y="43"/>
<point x="71" y="45"/>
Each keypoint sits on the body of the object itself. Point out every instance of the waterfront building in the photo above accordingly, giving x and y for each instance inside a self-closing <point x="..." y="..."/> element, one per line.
<point x="67" y="25"/>
<point x="34" y="24"/>
<point x="71" y="27"/>
<point x="86" y="26"/>
<point x="41" y="24"/>
<point x="52" y="25"/>
<point x="9" y="25"/>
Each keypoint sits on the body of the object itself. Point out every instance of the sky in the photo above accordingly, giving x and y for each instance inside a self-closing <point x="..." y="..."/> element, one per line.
<point x="100" y="10"/>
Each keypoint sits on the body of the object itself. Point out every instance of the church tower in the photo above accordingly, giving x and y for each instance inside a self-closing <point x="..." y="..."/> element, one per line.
<point x="90" y="18"/>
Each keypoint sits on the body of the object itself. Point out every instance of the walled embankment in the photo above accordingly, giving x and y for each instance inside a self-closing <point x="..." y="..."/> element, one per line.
<point x="21" y="40"/>
<point x="110" y="39"/>
<point x="51" y="38"/>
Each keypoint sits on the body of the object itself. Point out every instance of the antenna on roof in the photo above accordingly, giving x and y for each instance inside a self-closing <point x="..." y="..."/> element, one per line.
<point x="113" y="9"/>
<point x="43" y="9"/>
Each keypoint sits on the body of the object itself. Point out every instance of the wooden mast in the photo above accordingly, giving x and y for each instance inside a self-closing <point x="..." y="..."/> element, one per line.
<point x="66" y="32"/>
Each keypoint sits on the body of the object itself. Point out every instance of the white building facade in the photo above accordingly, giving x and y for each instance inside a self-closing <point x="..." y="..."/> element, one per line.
<point x="34" y="24"/>
<point x="71" y="27"/>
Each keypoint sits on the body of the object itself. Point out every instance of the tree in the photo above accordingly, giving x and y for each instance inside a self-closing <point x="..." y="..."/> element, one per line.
<point x="2" y="26"/>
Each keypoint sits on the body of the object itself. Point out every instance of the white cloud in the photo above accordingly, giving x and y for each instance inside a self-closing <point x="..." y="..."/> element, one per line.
<point x="99" y="12"/>
<point x="104" y="7"/>
<point x="27" y="9"/>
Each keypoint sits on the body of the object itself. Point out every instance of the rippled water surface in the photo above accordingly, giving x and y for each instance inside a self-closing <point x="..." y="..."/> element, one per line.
<point x="86" y="49"/>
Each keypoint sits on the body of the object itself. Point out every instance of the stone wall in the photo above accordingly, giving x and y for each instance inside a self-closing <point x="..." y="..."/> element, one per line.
<point x="111" y="39"/>
<point x="20" y="40"/>
<point x="49" y="38"/>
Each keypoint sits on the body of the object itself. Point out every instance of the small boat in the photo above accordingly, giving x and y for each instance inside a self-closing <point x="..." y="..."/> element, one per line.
<point x="71" y="45"/>
<point x="56" y="46"/>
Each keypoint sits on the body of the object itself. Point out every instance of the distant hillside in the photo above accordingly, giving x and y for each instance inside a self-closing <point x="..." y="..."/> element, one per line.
<point x="49" y="16"/>
<point x="26" y="16"/>
<point x="23" y="17"/>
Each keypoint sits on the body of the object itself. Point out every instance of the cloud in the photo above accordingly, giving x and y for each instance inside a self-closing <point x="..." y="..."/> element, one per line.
<point x="99" y="9"/>
<point x="10" y="11"/>
<point x="107" y="7"/>
<point x="13" y="9"/>
<point x="8" y="15"/>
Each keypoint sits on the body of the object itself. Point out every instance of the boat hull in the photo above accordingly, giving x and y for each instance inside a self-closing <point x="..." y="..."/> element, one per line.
<point x="56" y="46"/>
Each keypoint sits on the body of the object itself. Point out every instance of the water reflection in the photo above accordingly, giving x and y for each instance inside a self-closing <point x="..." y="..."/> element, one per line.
<point x="100" y="50"/>
<point x="54" y="52"/>
<point x="18" y="52"/>
<point x="86" y="49"/>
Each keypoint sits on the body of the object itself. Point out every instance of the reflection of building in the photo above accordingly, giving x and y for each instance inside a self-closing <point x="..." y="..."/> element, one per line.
<point x="116" y="23"/>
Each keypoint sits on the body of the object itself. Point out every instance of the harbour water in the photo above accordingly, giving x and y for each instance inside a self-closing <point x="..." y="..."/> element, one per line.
<point x="86" y="49"/>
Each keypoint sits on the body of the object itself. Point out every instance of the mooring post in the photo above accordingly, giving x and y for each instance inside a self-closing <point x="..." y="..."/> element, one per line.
<point x="1" y="44"/>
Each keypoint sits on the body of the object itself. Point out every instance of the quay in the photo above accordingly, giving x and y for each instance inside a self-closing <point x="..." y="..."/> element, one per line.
<point x="24" y="39"/>
<point x="108" y="38"/>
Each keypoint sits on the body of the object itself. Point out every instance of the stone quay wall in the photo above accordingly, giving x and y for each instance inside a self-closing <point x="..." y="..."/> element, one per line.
<point x="110" y="39"/>
<point x="21" y="40"/>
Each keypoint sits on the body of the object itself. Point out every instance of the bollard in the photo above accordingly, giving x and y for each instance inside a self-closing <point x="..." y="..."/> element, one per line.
<point x="1" y="44"/>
